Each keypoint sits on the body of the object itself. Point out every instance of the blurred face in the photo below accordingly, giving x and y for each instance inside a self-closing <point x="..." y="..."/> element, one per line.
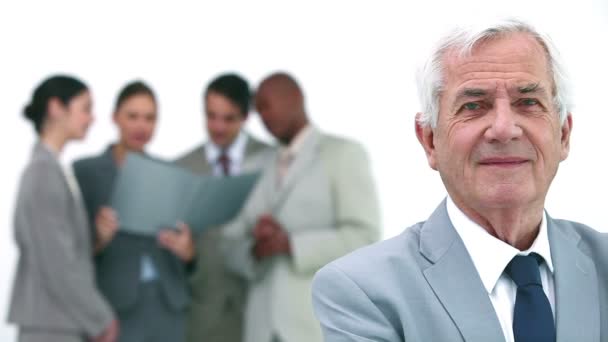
<point x="224" y="119"/>
<point x="75" y="117"/>
<point x="498" y="140"/>
<point x="136" y="121"/>
<point x="277" y="113"/>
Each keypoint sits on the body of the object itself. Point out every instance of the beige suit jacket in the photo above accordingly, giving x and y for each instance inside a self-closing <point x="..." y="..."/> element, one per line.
<point x="328" y="205"/>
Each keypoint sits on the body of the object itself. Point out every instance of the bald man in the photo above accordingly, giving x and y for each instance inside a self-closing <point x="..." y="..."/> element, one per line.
<point x="315" y="202"/>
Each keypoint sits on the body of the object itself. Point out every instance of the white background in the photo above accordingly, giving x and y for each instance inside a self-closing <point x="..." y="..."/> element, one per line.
<point x="355" y="60"/>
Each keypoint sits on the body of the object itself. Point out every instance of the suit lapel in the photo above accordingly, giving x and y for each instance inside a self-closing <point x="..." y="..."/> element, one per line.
<point x="455" y="281"/>
<point x="248" y="164"/>
<point x="75" y="203"/>
<point x="43" y="152"/>
<point x="576" y="290"/>
<point x="106" y="175"/>
<point x="201" y="162"/>
<point x="252" y="146"/>
<point x="196" y="161"/>
<point x="300" y="164"/>
<point x="100" y="184"/>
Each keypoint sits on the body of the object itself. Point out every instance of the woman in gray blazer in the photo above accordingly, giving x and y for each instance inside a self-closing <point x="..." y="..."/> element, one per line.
<point x="54" y="295"/>
<point x="143" y="278"/>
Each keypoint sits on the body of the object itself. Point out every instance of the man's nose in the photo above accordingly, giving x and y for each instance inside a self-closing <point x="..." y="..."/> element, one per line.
<point x="504" y="125"/>
<point x="220" y="126"/>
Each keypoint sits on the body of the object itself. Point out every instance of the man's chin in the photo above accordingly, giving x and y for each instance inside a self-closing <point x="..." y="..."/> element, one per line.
<point x="223" y="142"/>
<point x="506" y="197"/>
<point x="136" y="147"/>
<point x="81" y="136"/>
<point x="219" y="141"/>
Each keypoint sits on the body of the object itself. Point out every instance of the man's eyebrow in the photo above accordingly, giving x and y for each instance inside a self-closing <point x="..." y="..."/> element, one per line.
<point x="468" y="93"/>
<point x="472" y="92"/>
<point x="531" y="88"/>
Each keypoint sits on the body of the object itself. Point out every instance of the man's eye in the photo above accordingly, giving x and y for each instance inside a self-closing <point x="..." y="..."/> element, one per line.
<point x="471" y="106"/>
<point x="529" y="102"/>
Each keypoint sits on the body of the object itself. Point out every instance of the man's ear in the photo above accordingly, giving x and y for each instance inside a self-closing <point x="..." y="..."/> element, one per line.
<point x="565" y="140"/>
<point x="426" y="135"/>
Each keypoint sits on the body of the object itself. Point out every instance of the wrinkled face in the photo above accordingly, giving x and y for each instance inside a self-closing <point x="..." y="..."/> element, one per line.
<point x="498" y="140"/>
<point x="277" y="113"/>
<point x="78" y="116"/>
<point x="224" y="119"/>
<point x="136" y="121"/>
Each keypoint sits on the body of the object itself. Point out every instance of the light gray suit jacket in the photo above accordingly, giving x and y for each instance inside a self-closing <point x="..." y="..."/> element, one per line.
<point x="54" y="288"/>
<point x="422" y="286"/>
<point x="328" y="205"/>
<point x="218" y="297"/>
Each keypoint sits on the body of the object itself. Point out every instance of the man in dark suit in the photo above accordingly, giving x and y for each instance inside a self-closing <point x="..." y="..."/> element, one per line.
<point x="489" y="264"/>
<point x="216" y="312"/>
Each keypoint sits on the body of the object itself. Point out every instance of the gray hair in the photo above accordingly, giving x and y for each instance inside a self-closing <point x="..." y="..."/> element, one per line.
<point x="463" y="40"/>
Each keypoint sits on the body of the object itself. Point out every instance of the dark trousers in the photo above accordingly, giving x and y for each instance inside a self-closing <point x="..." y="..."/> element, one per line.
<point x="151" y="320"/>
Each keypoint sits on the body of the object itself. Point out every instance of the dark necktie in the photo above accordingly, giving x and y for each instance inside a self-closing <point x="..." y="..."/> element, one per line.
<point x="224" y="162"/>
<point x="532" y="317"/>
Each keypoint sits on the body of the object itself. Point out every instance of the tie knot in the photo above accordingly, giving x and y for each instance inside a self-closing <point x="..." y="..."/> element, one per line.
<point x="523" y="269"/>
<point x="286" y="156"/>
<point x="223" y="158"/>
<point x="224" y="162"/>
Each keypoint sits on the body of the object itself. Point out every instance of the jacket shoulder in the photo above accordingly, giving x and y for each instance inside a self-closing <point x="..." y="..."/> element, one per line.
<point x="401" y="250"/>
<point x="338" y="142"/>
<point x="39" y="169"/>
<point x="576" y="228"/>
<point x="87" y="163"/>
<point x="195" y="152"/>
<point x="340" y="150"/>
<point x="255" y="144"/>
<point x="590" y="240"/>
<point x="343" y="157"/>
<point x="42" y="179"/>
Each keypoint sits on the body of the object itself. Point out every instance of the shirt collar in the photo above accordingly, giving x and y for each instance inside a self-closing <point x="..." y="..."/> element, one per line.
<point x="489" y="254"/>
<point x="235" y="151"/>
<point x="297" y="142"/>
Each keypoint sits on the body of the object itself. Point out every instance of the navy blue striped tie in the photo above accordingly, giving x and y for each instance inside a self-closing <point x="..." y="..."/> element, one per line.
<point x="532" y="317"/>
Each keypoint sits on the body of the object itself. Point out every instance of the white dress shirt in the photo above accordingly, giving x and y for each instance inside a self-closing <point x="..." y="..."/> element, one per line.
<point x="491" y="256"/>
<point x="288" y="153"/>
<point x="235" y="152"/>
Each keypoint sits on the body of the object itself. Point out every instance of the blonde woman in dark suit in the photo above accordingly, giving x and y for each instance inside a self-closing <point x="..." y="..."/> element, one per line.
<point x="54" y="296"/>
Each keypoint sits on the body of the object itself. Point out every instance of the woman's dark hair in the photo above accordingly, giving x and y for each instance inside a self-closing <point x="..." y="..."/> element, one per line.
<point x="234" y="88"/>
<point x="132" y="89"/>
<point x="62" y="87"/>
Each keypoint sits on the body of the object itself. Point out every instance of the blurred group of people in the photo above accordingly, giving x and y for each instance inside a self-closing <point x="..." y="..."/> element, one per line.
<point x="81" y="278"/>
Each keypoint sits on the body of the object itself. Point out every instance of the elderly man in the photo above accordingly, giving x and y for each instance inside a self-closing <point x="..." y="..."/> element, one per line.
<point x="314" y="203"/>
<point x="489" y="264"/>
